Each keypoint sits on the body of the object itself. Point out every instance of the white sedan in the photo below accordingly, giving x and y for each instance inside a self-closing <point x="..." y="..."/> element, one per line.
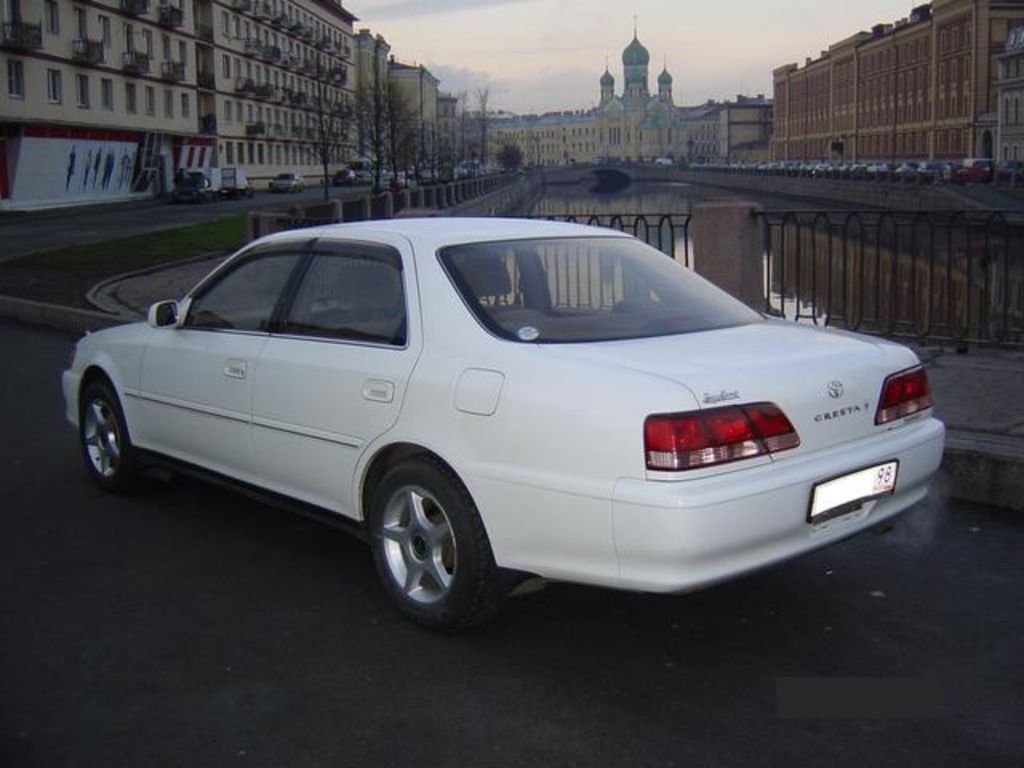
<point x="494" y="401"/>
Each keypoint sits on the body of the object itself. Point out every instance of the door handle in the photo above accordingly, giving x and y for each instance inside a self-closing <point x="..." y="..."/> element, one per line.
<point x="378" y="391"/>
<point x="235" y="369"/>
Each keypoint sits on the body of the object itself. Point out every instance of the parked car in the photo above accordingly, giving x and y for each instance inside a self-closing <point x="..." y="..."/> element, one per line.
<point x="286" y="182"/>
<point x="494" y="400"/>
<point x="346" y="177"/>
<point x="973" y="171"/>
<point x="193" y="187"/>
<point x="931" y="172"/>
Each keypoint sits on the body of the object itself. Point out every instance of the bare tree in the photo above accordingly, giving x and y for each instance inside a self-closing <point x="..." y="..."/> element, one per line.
<point x="332" y="117"/>
<point x="372" y="100"/>
<point x="483" y="95"/>
<point x="402" y="132"/>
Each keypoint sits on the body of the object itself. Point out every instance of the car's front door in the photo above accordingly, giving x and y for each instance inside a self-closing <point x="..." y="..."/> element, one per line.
<point x="197" y="379"/>
<point x="333" y="377"/>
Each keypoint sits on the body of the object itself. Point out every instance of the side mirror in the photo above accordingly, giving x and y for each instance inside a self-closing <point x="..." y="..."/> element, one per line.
<point x="163" y="314"/>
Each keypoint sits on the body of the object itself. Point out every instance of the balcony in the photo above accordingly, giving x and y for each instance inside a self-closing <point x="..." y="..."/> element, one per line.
<point x="297" y="99"/>
<point x="208" y="125"/>
<point x="134" y="62"/>
<point x="270" y="54"/>
<point x="324" y="43"/>
<point x="204" y="32"/>
<point x="244" y="85"/>
<point x="345" y="50"/>
<point x="287" y="61"/>
<point x="338" y="75"/>
<point x="252" y="46"/>
<point x="264" y="91"/>
<point x="243" y="5"/>
<point x="277" y="130"/>
<point x="171" y="16"/>
<point x="87" y="51"/>
<point x="135" y="7"/>
<point x="207" y="81"/>
<point x="306" y="33"/>
<point x="296" y="26"/>
<point x="18" y="36"/>
<point x="280" y="20"/>
<point x="309" y="66"/>
<point x="298" y="131"/>
<point x="261" y="10"/>
<point x="173" y="71"/>
<point x="256" y="129"/>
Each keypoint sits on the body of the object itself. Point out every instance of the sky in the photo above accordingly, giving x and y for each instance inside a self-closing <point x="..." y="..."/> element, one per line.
<point x="544" y="55"/>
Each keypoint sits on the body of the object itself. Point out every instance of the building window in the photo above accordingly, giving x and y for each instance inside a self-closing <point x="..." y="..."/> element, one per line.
<point x="105" y="30"/>
<point x="147" y="41"/>
<point x="185" y="110"/>
<point x="225" y="66"/>
<point x="81" y="29"/>
<point x="168" y="103"/>
<point x="129" y="98"/>
<point x="15" y="79"/>
<point x="82" y="91"/>
<point x="229" y="153"/>
<point x="165" y="41"/>
<point x="182" y="51"/>
<point x="150" y="100"/>
<point x="129" y="38"/>
<point x="224" y="23"/>
<point x="53" y="89"/>
<point x="52" y="17"/>
<point x="107" y="94"/>
<point x="227" y="112"/>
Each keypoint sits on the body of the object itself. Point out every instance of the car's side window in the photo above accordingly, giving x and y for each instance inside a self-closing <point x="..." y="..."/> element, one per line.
<point x="244" y="298"/>
<point x="353" y="293"/>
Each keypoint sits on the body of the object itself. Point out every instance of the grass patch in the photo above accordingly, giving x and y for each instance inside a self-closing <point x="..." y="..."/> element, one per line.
<point x="101" y="260"/>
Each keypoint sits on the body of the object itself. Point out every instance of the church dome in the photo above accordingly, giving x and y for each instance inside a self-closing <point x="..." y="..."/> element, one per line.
<point x="607" y="80"/>
<point x="635" y="54"/>
<point x="664" y="78"/>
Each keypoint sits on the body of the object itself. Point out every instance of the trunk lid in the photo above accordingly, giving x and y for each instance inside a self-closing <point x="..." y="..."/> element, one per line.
<point x="827" y="382"/>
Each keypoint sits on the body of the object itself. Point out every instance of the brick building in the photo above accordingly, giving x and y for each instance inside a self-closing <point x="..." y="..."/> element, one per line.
<point x="921" y="88"/>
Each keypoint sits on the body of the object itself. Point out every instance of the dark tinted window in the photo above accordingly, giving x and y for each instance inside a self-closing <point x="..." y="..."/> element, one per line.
<point x="586" y="289"/>
<point x="244" y="298"/>
<point x="351" y="292"/>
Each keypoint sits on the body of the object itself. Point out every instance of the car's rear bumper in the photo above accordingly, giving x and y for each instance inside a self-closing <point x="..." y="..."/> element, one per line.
<point x="680" y="536"/>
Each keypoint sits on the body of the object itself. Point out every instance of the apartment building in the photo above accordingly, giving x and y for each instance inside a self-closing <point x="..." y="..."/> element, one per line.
<point x="920" y="88"/>
<point x="1010" y="97"/>
<point x="110" y="99"/>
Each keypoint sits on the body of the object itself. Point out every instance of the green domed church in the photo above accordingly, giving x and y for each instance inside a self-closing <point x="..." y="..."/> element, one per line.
<point x="632" y="126"/>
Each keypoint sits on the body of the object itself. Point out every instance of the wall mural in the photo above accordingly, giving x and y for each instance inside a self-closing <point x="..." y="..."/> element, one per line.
<point x="80" y="168"/>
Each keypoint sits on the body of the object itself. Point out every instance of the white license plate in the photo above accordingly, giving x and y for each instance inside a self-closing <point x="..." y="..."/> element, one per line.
<point x="848" y="493"/>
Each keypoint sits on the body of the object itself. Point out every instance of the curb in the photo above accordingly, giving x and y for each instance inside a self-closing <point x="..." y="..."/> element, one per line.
<point x="97" y="294"/>
<point x="985" y="468"/>
<point x="55" y="316"/>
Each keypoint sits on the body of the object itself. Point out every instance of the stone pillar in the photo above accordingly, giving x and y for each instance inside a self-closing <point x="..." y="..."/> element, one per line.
<point x="406" y="198"/>
<point x="389" y="205"/>
<point x="366" y="208"/>
<point x="728" y="248"/>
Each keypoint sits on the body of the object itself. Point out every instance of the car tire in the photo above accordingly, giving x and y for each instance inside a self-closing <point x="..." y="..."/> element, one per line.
<point x="110" y="458"/>
<point x="431" y="549"/>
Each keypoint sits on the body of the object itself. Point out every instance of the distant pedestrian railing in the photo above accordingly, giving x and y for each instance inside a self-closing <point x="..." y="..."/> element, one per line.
<point x="932" y="276"/>
<point x="668" y="232"/>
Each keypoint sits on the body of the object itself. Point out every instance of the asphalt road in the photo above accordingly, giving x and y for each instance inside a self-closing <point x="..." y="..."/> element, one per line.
<point x="192" y="627"/>
<point x="45" y="230"/>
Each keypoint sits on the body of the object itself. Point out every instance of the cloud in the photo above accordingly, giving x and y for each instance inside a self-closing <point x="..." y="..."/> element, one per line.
<point x="465" y="80"/>
<point x="399" y="9"/>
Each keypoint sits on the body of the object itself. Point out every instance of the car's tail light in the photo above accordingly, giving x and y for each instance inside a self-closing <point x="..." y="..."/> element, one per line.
<point x="903" y="394"/>
<point x="680" y="441"/>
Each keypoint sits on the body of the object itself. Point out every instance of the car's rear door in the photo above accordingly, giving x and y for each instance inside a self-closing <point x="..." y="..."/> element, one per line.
<point x="333" y="376"/>
<point x="197" y="379"/>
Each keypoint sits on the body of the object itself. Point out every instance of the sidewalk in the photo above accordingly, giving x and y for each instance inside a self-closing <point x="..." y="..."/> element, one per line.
<point x="979" y="395"/>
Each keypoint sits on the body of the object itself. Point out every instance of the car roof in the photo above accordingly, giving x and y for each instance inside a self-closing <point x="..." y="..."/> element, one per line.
<point x="434" y="233"/>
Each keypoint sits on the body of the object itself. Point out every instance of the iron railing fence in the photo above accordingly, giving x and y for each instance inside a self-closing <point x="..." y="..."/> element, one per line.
<point x="941" y="276"/>
<point x="668" y="232"/>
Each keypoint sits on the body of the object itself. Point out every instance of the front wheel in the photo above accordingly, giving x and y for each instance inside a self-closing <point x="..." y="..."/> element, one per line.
<point x="110" y="458"/>
<point x="431" y="549"/>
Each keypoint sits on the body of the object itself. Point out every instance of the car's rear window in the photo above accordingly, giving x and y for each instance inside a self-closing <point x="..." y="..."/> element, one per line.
<point x="585" y="289"/>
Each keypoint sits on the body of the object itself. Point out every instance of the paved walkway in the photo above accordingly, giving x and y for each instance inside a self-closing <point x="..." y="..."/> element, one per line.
<point x="979" y="395"/>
